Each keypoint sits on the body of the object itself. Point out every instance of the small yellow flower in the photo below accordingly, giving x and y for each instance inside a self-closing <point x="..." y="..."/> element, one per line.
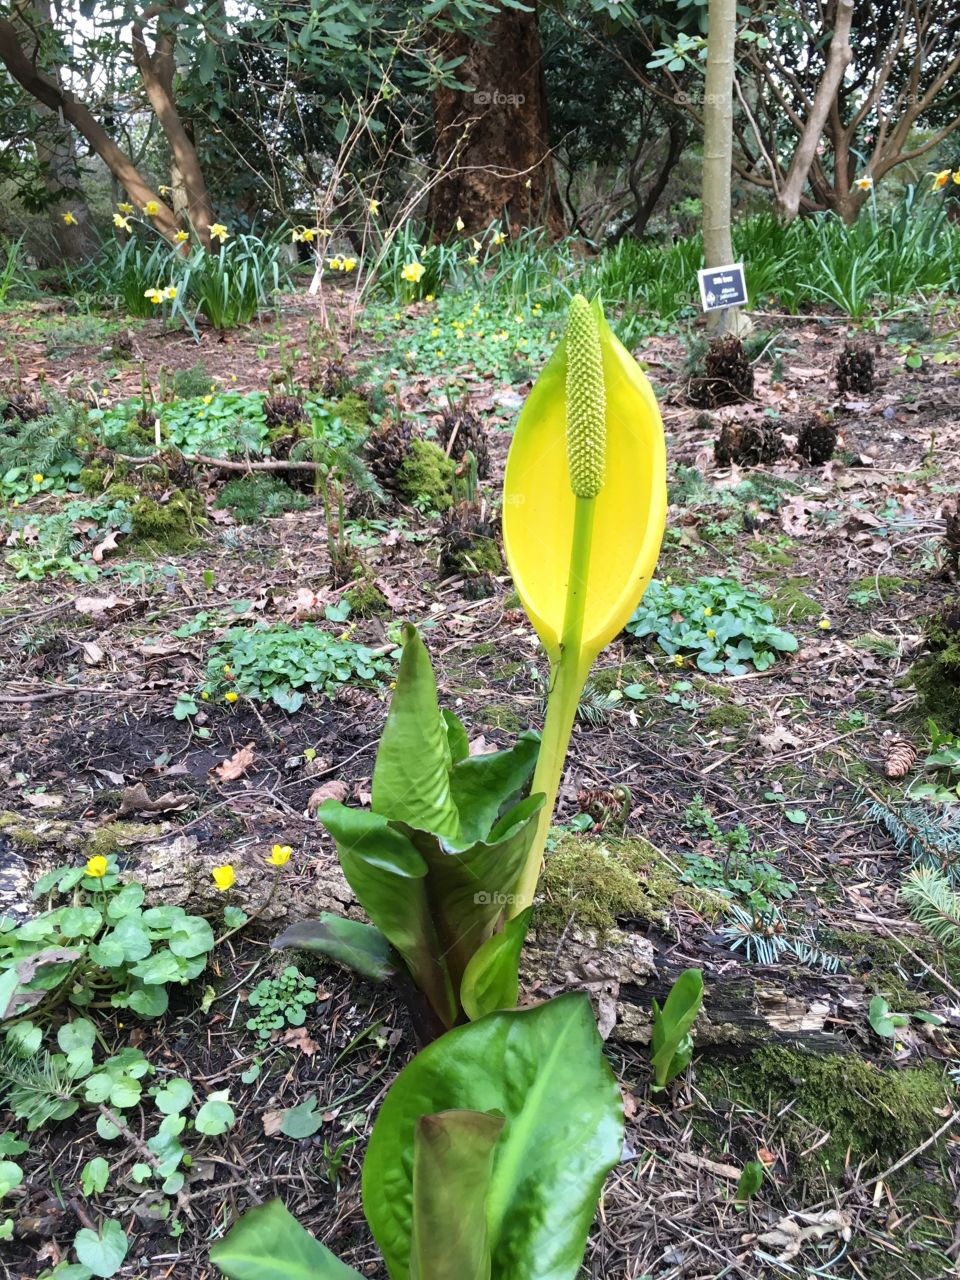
<point x="170" y="292"/>
<point x="459" y="224"/>
<point x="708" y="612"/>
<point x="434" y="333"/>
<point x="120" y="222"/>
<point x="499" y="238"/>
<point x="232" y="696"/>
<point x="151" y="208"/>
<point x="125" y="207"/>
<point x="349" y="264"/>
<point x="205" y="696"/>
<point x="335" y="264"/>
<point x="956" y="177"/>
<point x="678" y="659"/>
<point x="182" y="236"/>
<point x="38" y="477"/>
<point x="97" y="866"/>
<point x="209" y="400"/>
<point x="824" y="624"/>
<point x="164" y="190"/>
<point x="374" y="207"/>
<point x="473" y="259"/>
<point x="218" y="231"/>
<point x="155" y="296"/>
<point x="412" y="272"/>
<point x="428" y="298"/>
<point x="280" y="855"/>
<point x="518" y="318"/>
<point x="411" y="356"/>
<point x="70" y="220"/>
<point x="940" y="179"/>
<point x="864" y="184"/>
<point x="711" y="634"/>
<point x="223" y="877"/>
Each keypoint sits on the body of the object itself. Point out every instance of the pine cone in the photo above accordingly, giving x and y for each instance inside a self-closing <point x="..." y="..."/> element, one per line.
<point x="728" y="375"/>
<point x="856" y="369"/>
<point x="25" y="405"/>
<point x="462" y="430"/>
<point x="283" y="411"/>
<point x="817" y="439"/>
<point x="900" y="758"/>
<point x="386" y="450"/>
<point x="749" y="444"/>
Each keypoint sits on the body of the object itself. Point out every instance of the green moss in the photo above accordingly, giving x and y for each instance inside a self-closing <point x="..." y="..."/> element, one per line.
<point x="937" y="675"/>
<point x="20" y="835"/>
<point x="366" y="600"/>
<point x="353" y="410"/>
<point x="770" y="555"/>
<point x="498" y="716"/>
<point x="598" y="882"/>
<point x="482" y="556"/>
<point x="252" y="496"/>
<point x="874" y="1114"/>
<point x="93" y="479"/>
<point x="512" y="601"/>
<point x="728" y="718"/>
<point x="124" y="492"/>
<point x="168" y="527"/>
<point x="885" y="968"/>
<point x="426" y="476"/>
<point x="790" y="603"/>
<point x="114" y="837"/>
<point x="607" y="679"/>
<point x="877" y="588"/>
<point x="485" y="650"/>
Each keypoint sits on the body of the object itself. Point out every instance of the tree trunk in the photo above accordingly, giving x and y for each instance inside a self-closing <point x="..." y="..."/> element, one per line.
<point x="718" y="152"/>
<point x="492" y="143"/>
<point x="838" y="59"/>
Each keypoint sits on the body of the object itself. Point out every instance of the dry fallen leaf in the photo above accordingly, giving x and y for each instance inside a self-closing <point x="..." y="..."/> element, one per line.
<point x="234" y="768"/>
<point x="272" y="1122"/>
<point x="778" y="735"/>
<point x="299" y="1038"/>
<point x="96" y="606"/>
<point x="790" y="1237"/>
<point x="109" y="543"/>
<point x="92" y="653"/>
<point x="137" y="799"/>
<point x="43" y="800"/>
<point x="335" y="789"/>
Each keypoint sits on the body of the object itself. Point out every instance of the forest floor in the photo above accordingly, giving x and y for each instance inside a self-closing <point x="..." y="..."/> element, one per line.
<point x="850" y="555"/>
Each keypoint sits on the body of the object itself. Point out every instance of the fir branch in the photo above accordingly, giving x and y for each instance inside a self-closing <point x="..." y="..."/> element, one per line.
<point x="934" y="904"/>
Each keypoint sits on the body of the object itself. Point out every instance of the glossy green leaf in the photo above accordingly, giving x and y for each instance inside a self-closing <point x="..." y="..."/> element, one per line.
<point x="411" y="776"/>
<point x="457" y="739"/>
<point x="482" y="785"/>
<point x="452" y="1165"/>
<point x="543" y="1069"/>
<point x="670" y="1042"/>
<point x="751" y="1180"/>
<point x="268" y="1243"/>
<point x="491" y="979"/>
<point x="360" y="947"/>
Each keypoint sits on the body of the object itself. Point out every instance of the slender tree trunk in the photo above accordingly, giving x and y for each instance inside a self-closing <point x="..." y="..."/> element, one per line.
<point x="718" y="152"/>
<point x="838" y="59"/>
<point x="493" y="142"/>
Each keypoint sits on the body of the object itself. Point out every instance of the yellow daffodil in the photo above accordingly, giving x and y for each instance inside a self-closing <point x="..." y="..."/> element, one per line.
<point x="155" y="296"/>
<point x="280" y="855"/>
<point x="459" y="224"/>
<point x="151" y="208"/>
<point x="122" y="223"/>
<point x="125" y="207"/>
<point x="335" y="264"/>
<point x="324" y="231"/>
<point x="940" y="179"/>
<point x="584" y="507"/>
<point x="528" y="184"/>
<point x="170" y="292"/>
<point x="218" y="232"/>
<point x="473" y="259"/>
<point x="96" y="866"/>
<point x="182" y="237"/>
<point x="412" y="272"/>
<point x="164" y="190"/>
<point x="349" y="264"/>
<point x="956" y="177"/>
<point x="864" y="184"/>
<point x="824" y="624"/>
<point x="70" y="220"/>
<point x="499" y="238"/>
<point x="374" y="207"/>
<point x="38" y="477"/>
<point x="223" y="877"/>
<point x="232" y="696"/>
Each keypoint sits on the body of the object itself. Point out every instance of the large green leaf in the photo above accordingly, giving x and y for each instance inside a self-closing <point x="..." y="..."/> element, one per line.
<point x="452" y="1162"/>
<point x="543" y="1069"/>
<point x="491" y="979"/>
<point x="471" y="889"/>
<point x="268" y="1243"/>
<point x="411" y="776"/>
<point x="360" y="947"/>
<point x="482" y="785"/>
<point x="387" y="874"/>
<point x="670" y="1041"/>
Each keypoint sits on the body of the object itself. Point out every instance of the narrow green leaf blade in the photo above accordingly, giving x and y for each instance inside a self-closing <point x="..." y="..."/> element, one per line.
<point x="672" y="1023"/>
<point x="491" y="979"/>
<point x="268" y="1243"/>
<point x="452" y="1163"/>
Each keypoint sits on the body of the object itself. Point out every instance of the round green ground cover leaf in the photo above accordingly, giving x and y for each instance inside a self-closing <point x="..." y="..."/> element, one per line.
<point x="543" y="1070"/>
<point x="103" y="1253"/>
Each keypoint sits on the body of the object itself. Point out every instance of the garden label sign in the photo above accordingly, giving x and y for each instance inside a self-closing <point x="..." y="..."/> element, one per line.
<point x="722" y="287"/>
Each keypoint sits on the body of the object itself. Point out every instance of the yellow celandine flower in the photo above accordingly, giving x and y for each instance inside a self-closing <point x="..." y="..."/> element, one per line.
<point x="232" y="696"/>
<point x="125" y="207"/>
<point x="155" y="296"/>
<point x="151" y="208"/>
<point x="428" y="298"/>
<point x="864" y="184"/>
<point x="413" y="272"/>
<point x="708" y="612"/>
<point x="678" y="660"/>
<point x="38" y="477"/>
<point x="374" y="207"/>
<point x="434" y="333"/>
<point x="711" y="634"/>
<point x="459" y="224"/>
<point x="940" y="179"/>
<point x="223" y="877"/>
<point x="69" y="219"/>
<point x="97" y="866"/>
<point x="824" y="624"/>
<point x="280" y="855"/>
<point x="218" y="231"/>
<point x="349" y="264"/>
<point x="182" y="236"/>
<point x="121" y="222"/>
<point x="209" y="400"/>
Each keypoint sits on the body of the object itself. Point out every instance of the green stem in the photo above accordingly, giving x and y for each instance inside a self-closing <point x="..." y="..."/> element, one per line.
<point x="568" y="674"/>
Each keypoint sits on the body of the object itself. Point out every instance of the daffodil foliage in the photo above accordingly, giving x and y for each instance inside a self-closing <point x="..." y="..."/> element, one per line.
<point x="584" y="508"/>
<point x="435" y="861"/>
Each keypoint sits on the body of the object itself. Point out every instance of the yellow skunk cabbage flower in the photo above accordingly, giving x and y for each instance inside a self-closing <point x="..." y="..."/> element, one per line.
<point x="584" y="507"/>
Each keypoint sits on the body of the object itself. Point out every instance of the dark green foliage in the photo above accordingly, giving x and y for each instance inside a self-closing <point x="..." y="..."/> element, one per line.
<point x="937" y="674"/>
<point x="426" y="477"/>
<point x="256" y="495"/>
